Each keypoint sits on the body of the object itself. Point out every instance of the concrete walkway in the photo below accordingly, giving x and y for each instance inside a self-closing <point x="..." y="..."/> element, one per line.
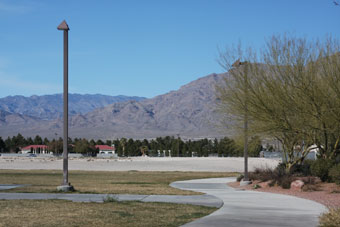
<point x="10" y="186"/>
<point x="237" y="207"/>
<point x="252" y="209"/>
<point x="202" y="200"/>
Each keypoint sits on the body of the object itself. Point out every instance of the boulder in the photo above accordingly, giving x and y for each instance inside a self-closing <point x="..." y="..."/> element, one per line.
<point x="297" y="185"/>
<point x="309" y="180"/>
<point x="264" y="184"/>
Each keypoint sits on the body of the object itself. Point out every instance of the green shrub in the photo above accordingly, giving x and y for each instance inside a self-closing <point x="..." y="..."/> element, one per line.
<point x="282" y="177"/>
<point x="330" y="219"/>
<point x="303" y="169"/>
<point x="240" y="177"/>
<point x="256" y="186"/>
<point x="262" y="174"/>
<point x="337" y="159"/>
<point x="285" y="181"/>
<point x="334" y="174"/>
<point x="320" y="168"/>
<point x="277" y="176"/>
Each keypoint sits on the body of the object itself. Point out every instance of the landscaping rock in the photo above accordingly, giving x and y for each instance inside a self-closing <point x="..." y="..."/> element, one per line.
<point x="65" y="188"/>
<point x="297" y="185"/>
<point x="264" y="184"/>
<point x="310" y="180"/>
<point x="244" y="183"/>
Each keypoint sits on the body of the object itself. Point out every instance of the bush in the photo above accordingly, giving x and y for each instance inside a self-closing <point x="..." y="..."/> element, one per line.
<point x="277" y="176"/>
<point x="331" y="218"/>
<point x="285" y="181"/>
<point x="240" y="177"/>
<point x="303" y="169"/>
<point x="261" y="174"/>
<point x="282" y="178"/>
<point x="320" y="168"/>
<point x="337" y="159"/>
<point x="311" y="188"/>
<point x="334" y="174"/>
<point x="256" y="186"/>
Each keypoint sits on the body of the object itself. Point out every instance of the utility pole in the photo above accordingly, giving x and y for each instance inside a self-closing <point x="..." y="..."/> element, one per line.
<point x="66" y="186"/>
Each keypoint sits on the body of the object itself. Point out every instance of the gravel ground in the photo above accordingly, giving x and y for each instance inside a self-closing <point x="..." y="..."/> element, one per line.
<point x="209" y="164"/>
<point x="327" y="194"/>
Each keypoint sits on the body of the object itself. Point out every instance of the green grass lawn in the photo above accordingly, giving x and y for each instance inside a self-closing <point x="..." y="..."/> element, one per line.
<point x="127" y="182"/>
<point x="64" y="213"/>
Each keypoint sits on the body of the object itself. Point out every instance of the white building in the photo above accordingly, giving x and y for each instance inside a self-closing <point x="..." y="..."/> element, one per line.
<point x="105" y="149"/>
<point x="35" y="149"/>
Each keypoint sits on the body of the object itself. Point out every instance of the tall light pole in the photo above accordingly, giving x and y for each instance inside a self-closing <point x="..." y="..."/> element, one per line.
<point x="245" y="180"/>
<point x="66" y="186"/>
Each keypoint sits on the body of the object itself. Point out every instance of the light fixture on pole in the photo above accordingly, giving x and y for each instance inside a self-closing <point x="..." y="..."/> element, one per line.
<point x="66" y="186"/>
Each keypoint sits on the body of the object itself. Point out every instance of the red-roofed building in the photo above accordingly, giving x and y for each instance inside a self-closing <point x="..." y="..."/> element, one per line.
<point x="105" y="149"/>
<point x="35" y="149"/>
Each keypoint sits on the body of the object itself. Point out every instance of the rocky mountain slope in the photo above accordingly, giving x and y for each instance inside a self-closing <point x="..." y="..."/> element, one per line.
<point x="189" y="112"/>
<point x="16" y="119"/>
<point x="51" y="106"/>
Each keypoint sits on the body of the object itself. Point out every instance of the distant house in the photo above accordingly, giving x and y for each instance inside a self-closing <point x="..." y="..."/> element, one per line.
<point x="105" y="149"/>
<point x="313" y="152"/>
<point x="35" y="149"/>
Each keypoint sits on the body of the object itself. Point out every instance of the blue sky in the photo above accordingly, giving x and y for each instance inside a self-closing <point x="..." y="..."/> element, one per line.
<point x="140" y="47"/>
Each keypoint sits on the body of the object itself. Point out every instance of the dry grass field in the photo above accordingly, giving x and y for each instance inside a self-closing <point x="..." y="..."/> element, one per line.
<point x="65" y="213"/>
<point x="110" y="213"/>
<point x="121" y="182"/>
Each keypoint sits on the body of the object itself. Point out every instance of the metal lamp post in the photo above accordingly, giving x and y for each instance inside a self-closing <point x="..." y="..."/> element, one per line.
<point x="246" y="180"/>
<point x="66" y="186"/>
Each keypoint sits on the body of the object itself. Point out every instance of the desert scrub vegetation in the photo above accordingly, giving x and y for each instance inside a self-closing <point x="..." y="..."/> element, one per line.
<point x="278" y="176"/>
<point x="334" y="174"/>
<point x="310" y="172"/>
<point x="321" y="168"/>
<point x="282" y="177"/>
<point x="330" y="219"/>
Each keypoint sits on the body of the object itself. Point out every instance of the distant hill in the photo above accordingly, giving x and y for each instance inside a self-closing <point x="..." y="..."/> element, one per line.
<point x="189" y="112"/>
<point x="7" y="118"/>
<point x="12" y="124"/>
<point x="50" y="107"/>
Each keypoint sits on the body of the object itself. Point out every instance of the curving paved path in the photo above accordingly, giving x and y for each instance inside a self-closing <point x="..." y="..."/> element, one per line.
<point x="237" y="207"/>
<point x="252" y="209"/>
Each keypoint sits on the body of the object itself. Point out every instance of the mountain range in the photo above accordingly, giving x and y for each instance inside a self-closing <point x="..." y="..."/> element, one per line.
<point x="48" y="107"/>
<point x="189" y="112"/>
